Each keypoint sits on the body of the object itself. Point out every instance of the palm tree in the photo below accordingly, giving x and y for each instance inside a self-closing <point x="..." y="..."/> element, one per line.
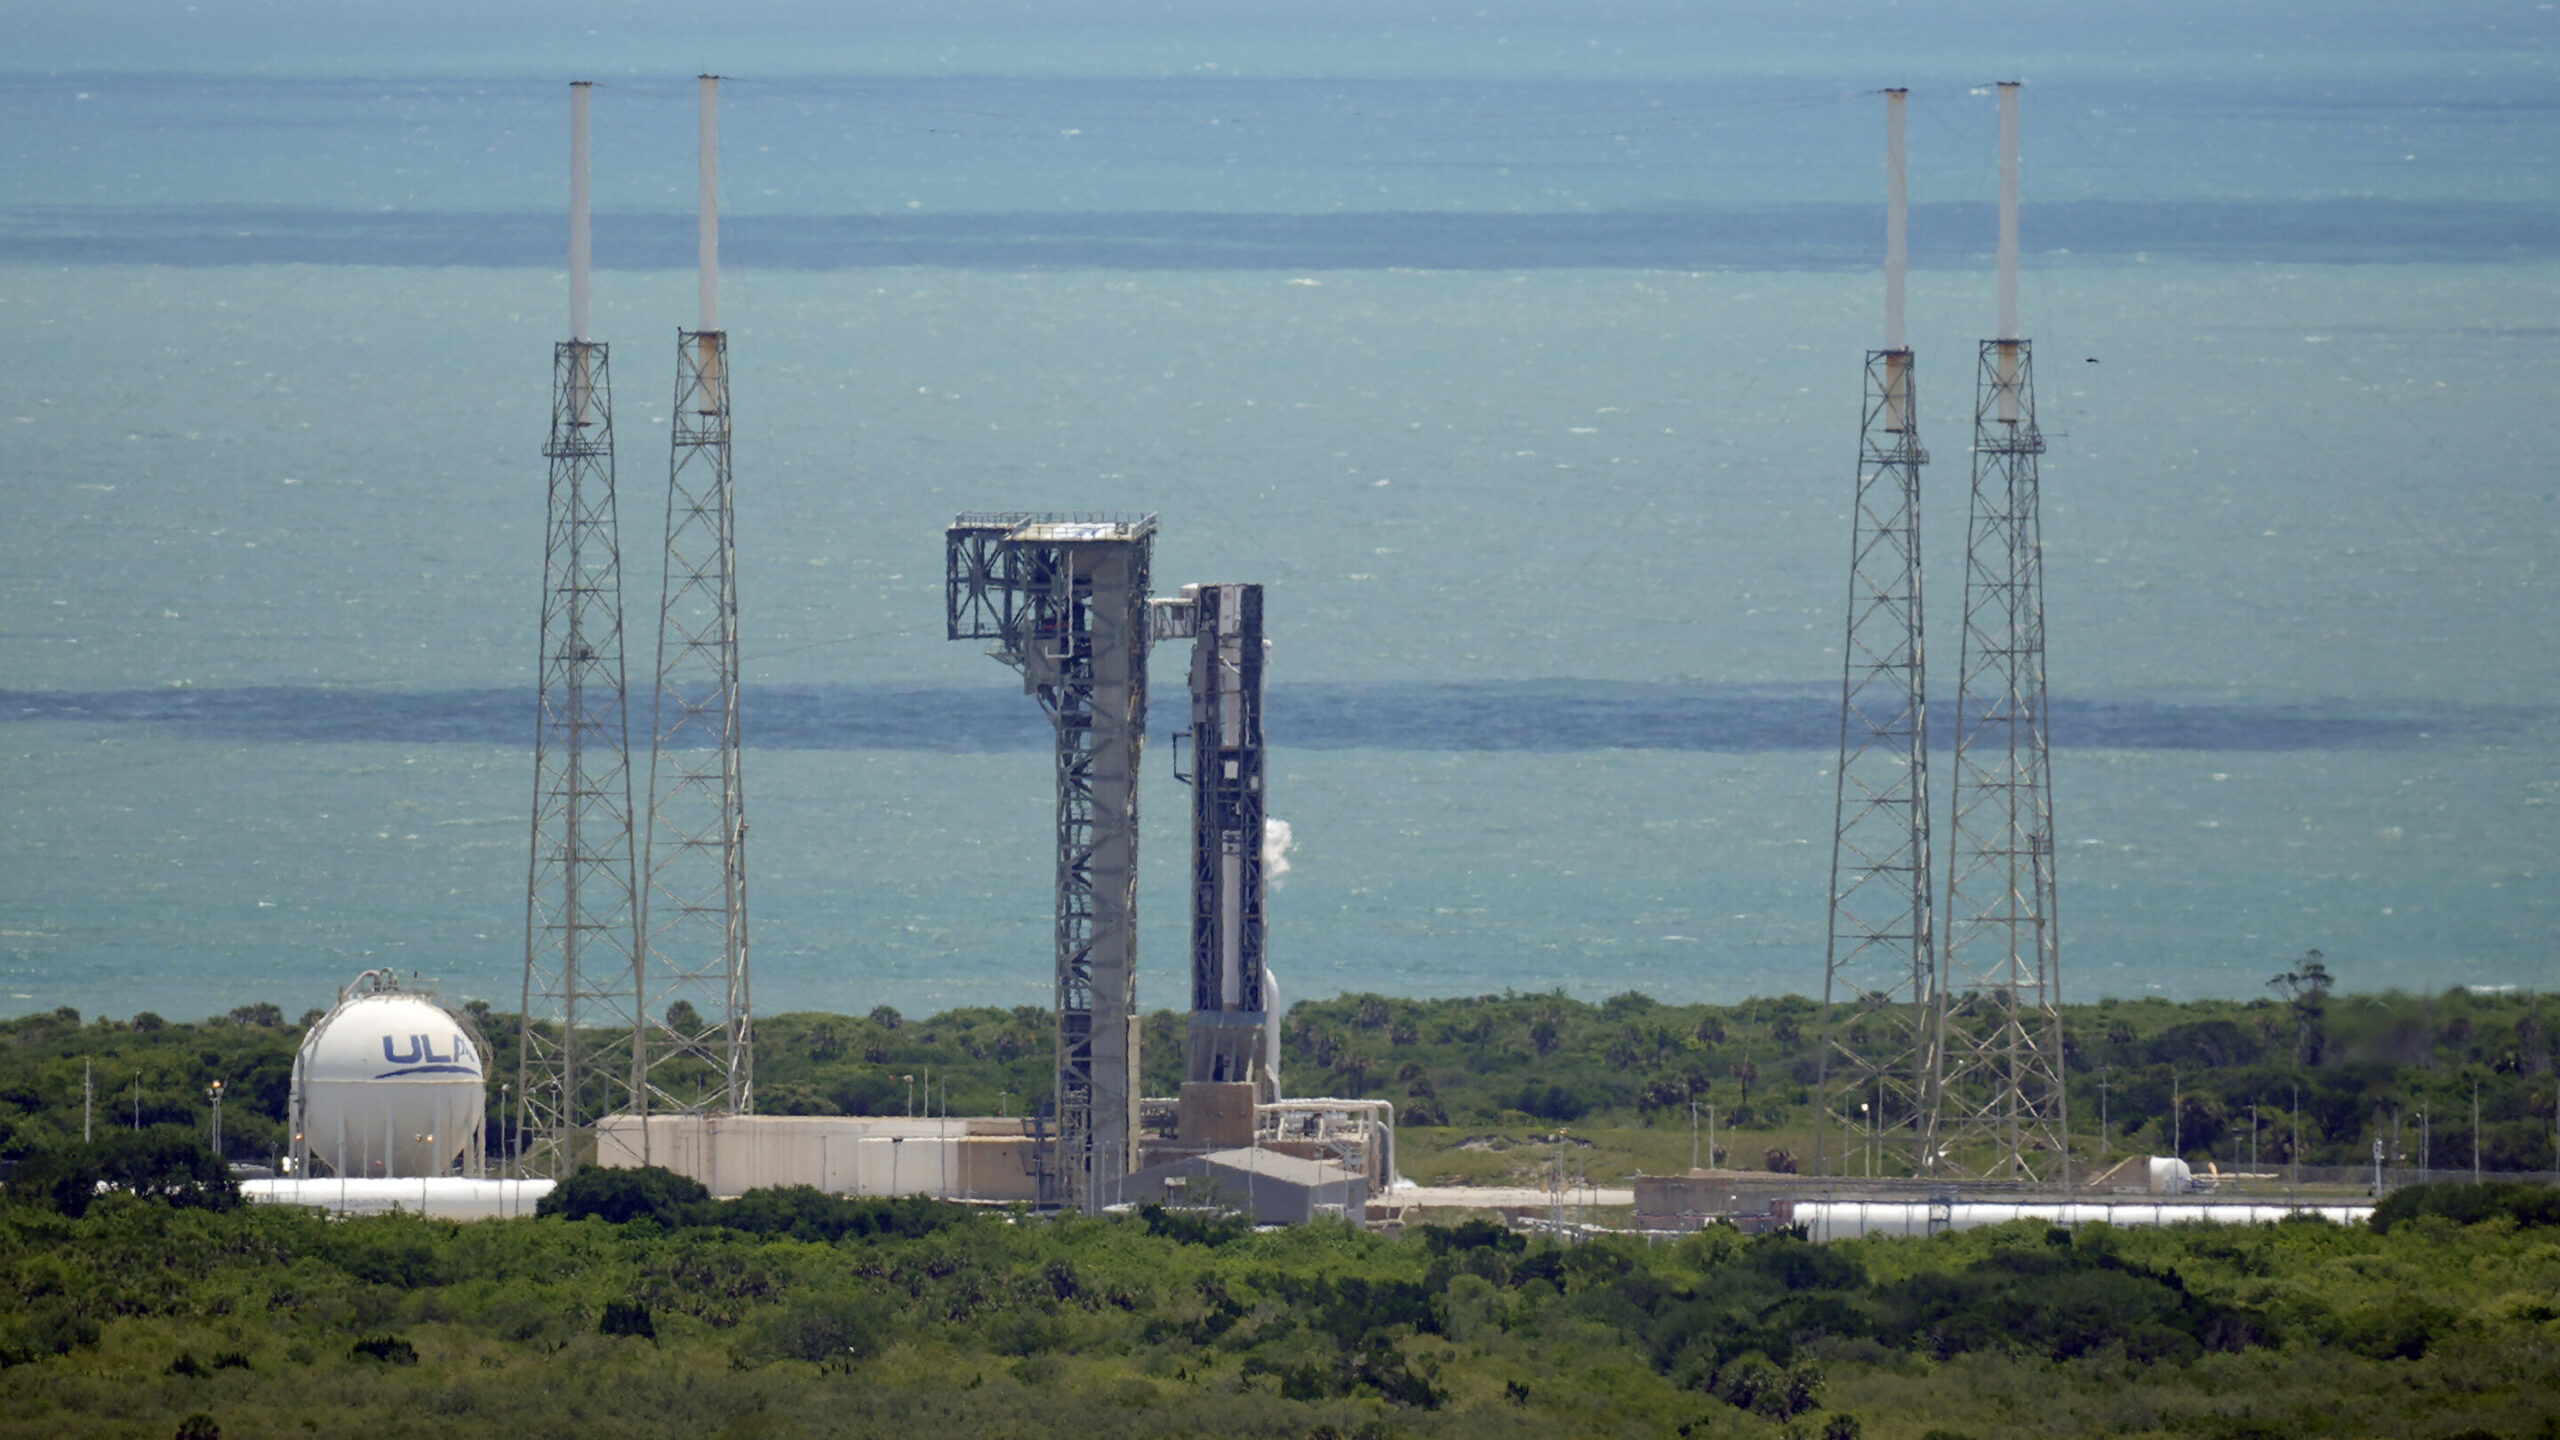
<point x="2306" y="989"/>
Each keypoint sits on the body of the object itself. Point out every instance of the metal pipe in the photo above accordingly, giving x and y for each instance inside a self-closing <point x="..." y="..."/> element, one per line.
<point x="2008" y="210"/>
<point x="2008" y="337"/>
<point x="710" y="202"/>
<point x="581" y="238"/>
<point x="1897" y="220"/>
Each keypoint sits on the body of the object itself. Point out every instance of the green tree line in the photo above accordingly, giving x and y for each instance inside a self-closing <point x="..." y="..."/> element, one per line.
<point x="2182" y="1076"/>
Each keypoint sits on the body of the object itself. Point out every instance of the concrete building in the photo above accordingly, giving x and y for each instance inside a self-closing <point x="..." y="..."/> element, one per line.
<point x="961" y="1158"/>
<point x="1273" y="1188"/>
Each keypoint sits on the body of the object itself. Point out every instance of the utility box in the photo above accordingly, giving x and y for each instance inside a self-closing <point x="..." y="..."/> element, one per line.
<point x="1217" y="1114"/>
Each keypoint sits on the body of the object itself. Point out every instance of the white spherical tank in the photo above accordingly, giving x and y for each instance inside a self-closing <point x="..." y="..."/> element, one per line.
<point x="389" y="1084"/>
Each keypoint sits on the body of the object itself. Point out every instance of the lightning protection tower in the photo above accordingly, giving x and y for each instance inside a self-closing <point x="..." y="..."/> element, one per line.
<point x="1065" y="598"/>
<point x="1878" y="1062"/>
<point x="1232" y="995"/>
<point x="580" y="935"/>
<point x="2002" y="1111"/>
<point x="694" y="1054"/>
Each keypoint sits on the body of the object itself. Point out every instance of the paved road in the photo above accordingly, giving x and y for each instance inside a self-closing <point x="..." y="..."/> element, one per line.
<point x="1490" y="1197"/>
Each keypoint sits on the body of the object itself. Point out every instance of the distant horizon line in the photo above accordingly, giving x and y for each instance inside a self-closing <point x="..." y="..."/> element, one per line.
<point x="2334" y="996"/>
<point x="1798" y="235"/>
<point x="1550" y="715"/>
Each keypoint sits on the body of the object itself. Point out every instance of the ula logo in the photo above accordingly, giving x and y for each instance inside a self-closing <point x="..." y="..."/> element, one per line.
<point x="420" y="1050"/>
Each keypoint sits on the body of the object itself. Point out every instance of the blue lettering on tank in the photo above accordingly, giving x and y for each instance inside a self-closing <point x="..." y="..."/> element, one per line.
<point x="417" y="1046"/>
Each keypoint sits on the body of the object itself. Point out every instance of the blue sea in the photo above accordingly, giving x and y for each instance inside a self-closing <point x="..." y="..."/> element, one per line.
<point x="1515" y="348"/>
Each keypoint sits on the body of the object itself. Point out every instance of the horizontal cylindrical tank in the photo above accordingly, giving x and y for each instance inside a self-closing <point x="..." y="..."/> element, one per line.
<point x="1848" y="1219"/>
<point x="389" y="1084"/>
<point x="442" y="1197"/>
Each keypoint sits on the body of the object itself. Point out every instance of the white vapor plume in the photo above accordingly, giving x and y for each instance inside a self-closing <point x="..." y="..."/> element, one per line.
<point x="1276" y="840"/>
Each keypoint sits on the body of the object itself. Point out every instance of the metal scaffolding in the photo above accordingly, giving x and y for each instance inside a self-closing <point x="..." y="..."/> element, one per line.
<point x="695" y="1055"/>
<point x="580" y="939"/>
<point x="1065" y="597"/>
<point x="1879" y="1055"/>
<point x="1878" y="1063"/>
<point x="1228" y="1037"/>
<point x="2003" y="1111"/>
<point x="580" y="979"/>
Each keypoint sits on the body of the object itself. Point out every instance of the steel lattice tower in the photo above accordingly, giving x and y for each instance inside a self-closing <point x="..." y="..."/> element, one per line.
<point x="1065" y="598"/>
<point x="2003" y="1112"/>
<point x="1878" y="1064"/>
<point x="695" y="1054"/>
<point x="580" y="933"/>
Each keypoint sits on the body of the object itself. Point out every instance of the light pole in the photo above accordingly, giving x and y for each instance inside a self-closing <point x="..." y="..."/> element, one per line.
<point x="2295" y="1115"/>
<point x="911" y="1103"/>
<point x="2103" y="1137"/>
<point x="1866" y="1138"/>
<point x="1875" y="1133"/>
<point x="215" y="1090"/>
<point x="2253" y="1140"/>
<point x="1693" y="1132"/>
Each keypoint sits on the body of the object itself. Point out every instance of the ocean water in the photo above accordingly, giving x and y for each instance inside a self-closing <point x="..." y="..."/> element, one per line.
<point x="1518" y="354"/>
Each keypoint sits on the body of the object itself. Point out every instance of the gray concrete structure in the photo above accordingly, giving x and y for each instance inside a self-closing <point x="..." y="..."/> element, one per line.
<point x="1273" y="1188"/>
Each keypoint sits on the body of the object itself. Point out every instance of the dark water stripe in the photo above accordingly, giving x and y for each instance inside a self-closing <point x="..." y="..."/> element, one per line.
<point x="1529" y="716"/>
<point x="1794" y="237"/>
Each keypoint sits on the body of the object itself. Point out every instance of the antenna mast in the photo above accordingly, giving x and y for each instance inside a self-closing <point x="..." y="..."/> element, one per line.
<point x="1878" y="1064"/>
<point x="2003" y="1111"/>
<point x="696" y="1055"/>
<point x="580" y="935"/>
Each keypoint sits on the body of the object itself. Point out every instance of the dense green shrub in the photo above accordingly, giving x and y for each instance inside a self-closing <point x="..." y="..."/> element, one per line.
<point x="2526" y="1205"/>
<point x="622" y="1196"/>
<point x="166" y="1163"/>
<point x="627" y="1317"/>
<point x="1013" y="1325"/>
<point x="804" y="1212"/>
<point x="388" y="1349"/>
<point x="1195" y="1227"/>
<point x="51" y="1325"/>
<point x="830" y="1330"/>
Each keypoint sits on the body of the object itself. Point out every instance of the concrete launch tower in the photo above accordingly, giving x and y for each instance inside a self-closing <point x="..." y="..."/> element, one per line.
<point x="1878" y="1065"/>
<point x="580" y="936"/>
<point x="1065" y="599"/>
<point x="694" y="1053"/>
<point x="2002" y="1113"/>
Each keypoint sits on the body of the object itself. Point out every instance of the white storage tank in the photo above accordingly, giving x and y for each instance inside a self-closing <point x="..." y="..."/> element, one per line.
<point x="389" y="1084"/>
